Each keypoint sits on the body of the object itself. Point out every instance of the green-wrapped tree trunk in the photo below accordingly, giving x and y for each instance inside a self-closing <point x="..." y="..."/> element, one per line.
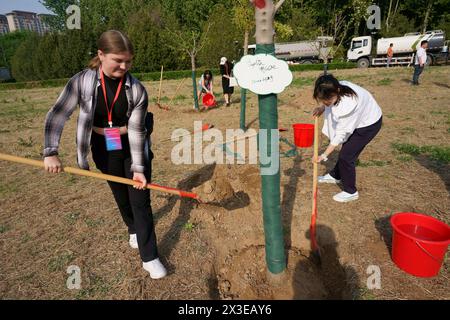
<point x="270" y="184"/>
<point x="194" y="83"/>
<point x="243" y="107"/>
<point x="244" y="91"/>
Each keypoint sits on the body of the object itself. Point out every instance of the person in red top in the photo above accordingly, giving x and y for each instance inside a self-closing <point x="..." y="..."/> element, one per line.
<point x="390" y="54"/>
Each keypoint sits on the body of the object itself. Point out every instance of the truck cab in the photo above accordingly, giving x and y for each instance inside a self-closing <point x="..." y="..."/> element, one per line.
<point x="360" y="50"/>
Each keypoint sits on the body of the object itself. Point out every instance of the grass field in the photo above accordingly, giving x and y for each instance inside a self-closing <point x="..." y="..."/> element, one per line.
<point x="48" y="223"/>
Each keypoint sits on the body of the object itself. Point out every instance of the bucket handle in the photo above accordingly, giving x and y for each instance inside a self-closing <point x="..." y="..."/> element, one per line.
<point x="429" y="254"/>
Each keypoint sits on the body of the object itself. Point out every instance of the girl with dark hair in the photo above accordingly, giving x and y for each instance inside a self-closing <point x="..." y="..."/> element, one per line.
<point x="112" y="123"/>
<point x="352" y="119"/>
<point x="206" y="84"/>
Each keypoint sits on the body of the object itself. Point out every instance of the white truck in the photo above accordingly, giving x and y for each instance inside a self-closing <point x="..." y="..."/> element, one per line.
<point x="365" y="54"/>
<point x="303" y="52"/>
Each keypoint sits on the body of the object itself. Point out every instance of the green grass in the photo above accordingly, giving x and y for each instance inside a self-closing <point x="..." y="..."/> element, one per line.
<point x="436" y="153"/>
<point x="61" y="261"/>
<point x="6" y="189"/>
<point x="71" y="180"/>
<point x="99" y="286"/>
<point x="25" y="238"/>
<point x="366" y="294"/>
<point x="319" y="66"/>
<point x="22" y="111"/>
<point x="372" y="163"/>
<point x="4" y="228"/>
<point x="390" y="116"/>
<point x="439" y="113"/>
<point x="300" y="82"/>
<point x="25" y="143"/>
<point x="408" y="130"/>
<point x="92" y="223"/>
<point x="189" y="226"/>
<point x="355" y="77"/>
<point x="71" y="217"/>
<point x="180" y="97"/>
<point x="385" y="82"/>
<point x="404" y="158"/>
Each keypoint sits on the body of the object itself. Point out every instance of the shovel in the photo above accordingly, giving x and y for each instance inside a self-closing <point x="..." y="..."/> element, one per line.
<point x="102" y="176"/>
<point x="315" y="250"/>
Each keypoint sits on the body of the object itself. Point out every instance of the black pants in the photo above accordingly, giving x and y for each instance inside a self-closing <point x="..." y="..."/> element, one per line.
<point x="417" y="72"/>
<point x="134" y="205"/>
<point x="350" y="151"/>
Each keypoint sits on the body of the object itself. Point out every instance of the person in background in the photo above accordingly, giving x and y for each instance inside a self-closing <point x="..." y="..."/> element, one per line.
<point x="390" y="54"/>
<point x="352" y="119"/>
<point x="205" y="84"/>
<point x="112" y="122"/>
<point x="419" y="62"/>
<point x="225" y="69"/>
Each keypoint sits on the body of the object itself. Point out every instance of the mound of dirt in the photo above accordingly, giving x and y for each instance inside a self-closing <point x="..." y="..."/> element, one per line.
<point x="216" y="190"/>
<point x="243" y="275"/>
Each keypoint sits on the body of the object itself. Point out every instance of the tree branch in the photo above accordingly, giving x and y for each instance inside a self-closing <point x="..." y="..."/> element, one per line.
<point x="205" y="35"/>
<point x="278" y="5"/>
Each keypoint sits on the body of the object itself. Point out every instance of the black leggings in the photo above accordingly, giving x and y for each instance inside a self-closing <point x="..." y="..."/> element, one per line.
<point x="134" y="204"/>
<point x="350" y="151"/>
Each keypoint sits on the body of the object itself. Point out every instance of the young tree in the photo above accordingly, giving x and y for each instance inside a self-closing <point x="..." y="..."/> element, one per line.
<point x="243" y="18"/>
<point x="268" y="119"/>
<point x="187" y="41"/>
<point x="220" y="40"/>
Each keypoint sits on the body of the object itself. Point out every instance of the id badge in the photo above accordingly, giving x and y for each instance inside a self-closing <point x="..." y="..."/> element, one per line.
<point x="112" y="137"/>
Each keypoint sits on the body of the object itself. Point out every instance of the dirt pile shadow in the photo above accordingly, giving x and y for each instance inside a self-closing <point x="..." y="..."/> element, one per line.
<point x="341" y="282"/>
<point x="234" y="229"/>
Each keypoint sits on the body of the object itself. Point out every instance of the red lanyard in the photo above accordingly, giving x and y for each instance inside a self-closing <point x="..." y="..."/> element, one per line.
<point x="106" y="99"/>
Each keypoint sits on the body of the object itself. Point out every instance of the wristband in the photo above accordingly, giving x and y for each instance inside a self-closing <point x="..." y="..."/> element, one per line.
<point x="324" y="157"/>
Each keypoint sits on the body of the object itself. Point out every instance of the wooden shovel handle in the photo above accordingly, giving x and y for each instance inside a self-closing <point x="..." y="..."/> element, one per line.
<point x="312" y="228"/>
<point x="101" y="176"/>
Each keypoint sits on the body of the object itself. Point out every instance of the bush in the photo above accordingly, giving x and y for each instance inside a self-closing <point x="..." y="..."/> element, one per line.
<point x="168" y="75"/>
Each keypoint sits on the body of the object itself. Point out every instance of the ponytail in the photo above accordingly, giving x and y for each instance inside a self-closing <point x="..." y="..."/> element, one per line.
<point x="94" y="63"/>
<point x="327" y="87"/>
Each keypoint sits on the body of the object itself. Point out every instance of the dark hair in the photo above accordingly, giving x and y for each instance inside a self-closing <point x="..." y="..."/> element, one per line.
<point x="327" y="87"/>
<point x="423" y="42"/>
<point x="111" y="41"/>
<point x="209" y="73"/>
<point x="391" y="45"/>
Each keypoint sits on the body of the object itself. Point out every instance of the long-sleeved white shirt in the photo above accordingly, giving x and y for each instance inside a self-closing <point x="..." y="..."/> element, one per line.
<point x="351" y="113"/>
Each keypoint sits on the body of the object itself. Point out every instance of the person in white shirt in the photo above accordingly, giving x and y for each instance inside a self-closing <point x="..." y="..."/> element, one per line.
<point x="420" y="60"/>
<point x="352" y="119"/>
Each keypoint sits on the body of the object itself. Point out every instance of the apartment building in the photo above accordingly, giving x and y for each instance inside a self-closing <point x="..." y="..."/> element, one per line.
<point x="4" y="27"/>
<point x="24" y="20"/>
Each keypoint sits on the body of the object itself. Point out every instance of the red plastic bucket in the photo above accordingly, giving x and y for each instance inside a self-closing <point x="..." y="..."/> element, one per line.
<point x="419" y="243"/>
<point x="303" y="135"/>
<point x="208" y="100"/>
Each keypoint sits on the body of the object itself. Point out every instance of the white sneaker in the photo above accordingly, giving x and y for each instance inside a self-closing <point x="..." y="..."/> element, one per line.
<point x="345" y="196"/>
<point x="133" y="241"/>
<point x="327" y="179"/>
<point x="155" y="268"/>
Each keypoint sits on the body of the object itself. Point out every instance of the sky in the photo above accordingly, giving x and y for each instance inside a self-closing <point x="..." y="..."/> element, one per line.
<point x="23" y="5"/>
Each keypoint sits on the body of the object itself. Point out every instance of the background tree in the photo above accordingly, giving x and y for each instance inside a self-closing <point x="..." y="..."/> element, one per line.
<point x="9" y="44"/>
<point x="190" y="42"/>
<point x="244" y="19"/>
<point x="223" y="38"/>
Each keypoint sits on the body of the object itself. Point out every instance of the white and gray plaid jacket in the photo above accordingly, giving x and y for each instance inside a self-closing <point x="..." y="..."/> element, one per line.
<point x="82" y="90"/>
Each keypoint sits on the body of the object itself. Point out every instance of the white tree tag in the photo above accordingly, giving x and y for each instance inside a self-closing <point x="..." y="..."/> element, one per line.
<point x="262" y="74"/>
